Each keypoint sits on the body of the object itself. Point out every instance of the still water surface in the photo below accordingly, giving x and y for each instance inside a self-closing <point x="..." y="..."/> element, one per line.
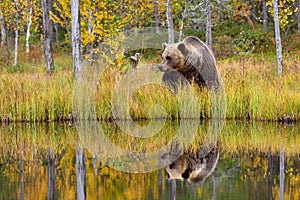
<point x="236" y="161"/>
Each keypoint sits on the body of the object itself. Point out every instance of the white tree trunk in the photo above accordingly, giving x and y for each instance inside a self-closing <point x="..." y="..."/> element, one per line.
<point x="80" y="173"/>
<point x="170" y="22"/>
<point x="56" y="32"/>
<point x="90" y="31"/>
<point x="182" y="22"/>
<point x="281" y="174"/>
<point x="28" y="28"/>
<point x="51" y="174"/>
<point x="156" y="16"/>
<point x="16" y="33"/>
<point x="76" y="39"/>
<point x="48" y="36"/>
<point x="3" y="32"/>
<point x="208" y="25"/>
<point x="278" y="39"/>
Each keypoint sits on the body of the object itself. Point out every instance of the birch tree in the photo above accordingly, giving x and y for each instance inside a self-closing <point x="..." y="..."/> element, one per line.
<point x="2" y="29"/>
<point x="29" y="22"/>
<point x="170" y="21"/>
<point x="48" y="36"/>
<point x="278" y="38"/>
<point x="16" y="32"/>
<point x="156" y="15"/>
<point x="182" y="21"/>
<point x="76" y="39"/>
<point x="281" y="170"/>
<point x="90" y="31"/>
<point x="208" y="25"/>
<point x="80" y="171"/>
<point x="7" y="19"/>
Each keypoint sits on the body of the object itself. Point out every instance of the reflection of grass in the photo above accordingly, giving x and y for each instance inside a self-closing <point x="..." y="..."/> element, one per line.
<point x="253" y="89"/>
<point x="260" y="138"/>
<point x="33" y="141"/>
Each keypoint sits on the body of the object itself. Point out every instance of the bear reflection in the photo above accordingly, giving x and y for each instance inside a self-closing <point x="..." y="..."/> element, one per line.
<point x="193" y="166"/>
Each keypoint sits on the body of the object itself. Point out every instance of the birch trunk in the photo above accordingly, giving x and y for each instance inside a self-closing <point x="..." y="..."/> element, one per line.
<point x="16" y="33"/>
<point x="3" y="32"/>
<point x="90" y="31"/>
<point x="265" y="15"/>
<point x="21" y="168"/>
<point x="80" y="173"/>
<point x="208" y="25"/>
<point x="28" y="28"/>
<point x="56" y="33"/>
<point x="48" y="36"/>
<point x="51" y="174"/>
<point x="156" y="16"/>
<point x="173" y="189"/>
<point x="76" y="39"/>
<point x="281" y="174"/>
<point x="182" y="22"/>
<point x="278" y="39"/>
<point x="170" y="22"/>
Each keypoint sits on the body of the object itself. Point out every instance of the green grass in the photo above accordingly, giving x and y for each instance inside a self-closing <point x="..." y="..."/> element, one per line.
<point x="253" y="89"/>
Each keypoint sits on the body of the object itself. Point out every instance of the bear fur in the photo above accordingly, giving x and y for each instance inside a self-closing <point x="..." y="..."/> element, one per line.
<point x="192" y="59"/>
<point x="194" y="166"/>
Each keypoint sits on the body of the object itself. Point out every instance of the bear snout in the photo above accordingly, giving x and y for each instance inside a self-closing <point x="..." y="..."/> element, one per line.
<point x="162" y="68"/>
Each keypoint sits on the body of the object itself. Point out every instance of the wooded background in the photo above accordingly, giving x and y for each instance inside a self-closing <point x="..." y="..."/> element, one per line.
<point x="228" y="26"/>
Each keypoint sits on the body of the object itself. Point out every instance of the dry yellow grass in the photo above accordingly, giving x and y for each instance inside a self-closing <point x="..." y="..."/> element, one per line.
<point x="253" y="89"/>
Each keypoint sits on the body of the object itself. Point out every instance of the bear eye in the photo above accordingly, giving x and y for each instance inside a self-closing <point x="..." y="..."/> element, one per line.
<point x="168" y="58"/>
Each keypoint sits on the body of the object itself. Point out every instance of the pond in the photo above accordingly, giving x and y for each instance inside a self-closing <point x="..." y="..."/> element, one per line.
<point x="150" y="160"/>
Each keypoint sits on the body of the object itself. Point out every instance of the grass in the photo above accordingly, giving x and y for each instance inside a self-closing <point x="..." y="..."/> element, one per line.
<point x="236" y="137"/>
<point x="254" y="92"/>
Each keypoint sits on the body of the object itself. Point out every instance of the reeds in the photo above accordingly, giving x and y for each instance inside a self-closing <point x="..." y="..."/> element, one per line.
<point x="253" y="89"/>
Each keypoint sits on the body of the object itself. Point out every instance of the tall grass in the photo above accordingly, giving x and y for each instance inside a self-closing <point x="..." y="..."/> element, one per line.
<point x="253" y="89"/>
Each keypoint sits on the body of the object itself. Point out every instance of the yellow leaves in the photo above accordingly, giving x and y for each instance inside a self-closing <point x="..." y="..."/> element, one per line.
<point x="285" y="11"/>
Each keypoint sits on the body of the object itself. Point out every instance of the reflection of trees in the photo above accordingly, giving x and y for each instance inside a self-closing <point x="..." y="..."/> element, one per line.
<point x="240" y="171"/>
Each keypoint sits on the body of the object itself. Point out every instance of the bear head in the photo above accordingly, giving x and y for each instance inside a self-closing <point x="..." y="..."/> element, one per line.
<point x="173" y="57"/>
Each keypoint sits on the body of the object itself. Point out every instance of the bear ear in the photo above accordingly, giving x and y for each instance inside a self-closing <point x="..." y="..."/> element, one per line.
<point x="164" y="45"/>
<point x="182" y="49"/>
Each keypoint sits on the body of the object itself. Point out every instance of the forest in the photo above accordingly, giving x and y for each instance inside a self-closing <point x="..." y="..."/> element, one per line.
<point x="42" y="50"/>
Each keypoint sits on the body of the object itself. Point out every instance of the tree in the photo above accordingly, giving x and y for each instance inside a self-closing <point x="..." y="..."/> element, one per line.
<point x="29" y="22"/>
<point x="298" y="13"/>
<point x="16" y="32"/>
<point x="287" y="10"/>
<point x="7" y="21"/>
<point x="80" y="169"/>
<point x="2" y="29"/>
<point x="281" y="167"/>
<point x="48" y="36"/>
<point x="170" y="21"/>
<point x="182" y="21"/>
<point x="278" y="39"/>
<point x="265" y="15"/>
<point x="156" y="15"/>
<point x="76" y="39"/>
<point x="208" y="25"/>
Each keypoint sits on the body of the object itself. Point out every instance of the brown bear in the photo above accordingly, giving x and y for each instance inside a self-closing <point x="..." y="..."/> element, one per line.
<point x="192" y="59"/>
<point x="193" y="166"/>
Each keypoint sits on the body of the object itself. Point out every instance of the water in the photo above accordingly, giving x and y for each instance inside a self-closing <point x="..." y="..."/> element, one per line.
<point x="232" y="161"/>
